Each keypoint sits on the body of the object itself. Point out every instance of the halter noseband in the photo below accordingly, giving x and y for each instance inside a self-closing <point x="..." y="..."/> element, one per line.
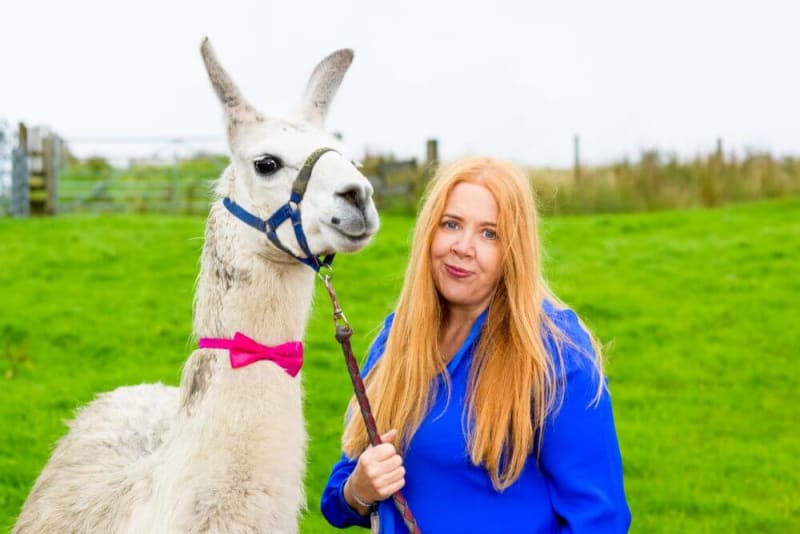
<point x="288" y="211"/>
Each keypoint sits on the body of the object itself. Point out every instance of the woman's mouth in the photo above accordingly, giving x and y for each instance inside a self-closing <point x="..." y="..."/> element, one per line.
<point x="456" y="272"/>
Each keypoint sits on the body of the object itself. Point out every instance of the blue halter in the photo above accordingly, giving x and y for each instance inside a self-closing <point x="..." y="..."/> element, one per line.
<point x="288" y="211"/>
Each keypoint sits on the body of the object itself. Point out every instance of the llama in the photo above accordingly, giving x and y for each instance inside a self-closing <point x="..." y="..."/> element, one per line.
<point x="225" y="451"/>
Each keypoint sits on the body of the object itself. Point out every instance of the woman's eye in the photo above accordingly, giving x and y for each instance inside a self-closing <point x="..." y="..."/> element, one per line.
<point x="267" y="165"/>
<point x="450" y="225"/>
<point x="490" y="234"/>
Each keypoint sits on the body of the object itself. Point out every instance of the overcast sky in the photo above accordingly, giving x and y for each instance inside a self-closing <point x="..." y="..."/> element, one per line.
<point x="510" y="79"/>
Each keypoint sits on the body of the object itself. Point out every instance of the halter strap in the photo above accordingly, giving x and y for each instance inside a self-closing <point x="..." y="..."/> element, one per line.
<point x="301" y="182"/>
<point x="290" y="211"/>
<point x="244" y="215"/>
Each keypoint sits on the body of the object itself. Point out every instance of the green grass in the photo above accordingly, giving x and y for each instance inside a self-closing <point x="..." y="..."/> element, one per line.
<point x="700" y="309"/>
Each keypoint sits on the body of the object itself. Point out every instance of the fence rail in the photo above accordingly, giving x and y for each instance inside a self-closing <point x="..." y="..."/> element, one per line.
<point x="188" y="197"/>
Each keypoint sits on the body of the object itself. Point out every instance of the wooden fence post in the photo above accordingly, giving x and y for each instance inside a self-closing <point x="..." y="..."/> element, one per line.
<point x="173" y="193"/>
<point x="51" y="145"/>
<point x="44" y="165"/>
<point x="20" y="194"/>
<point x="431" y="154"/>
<point x="37" y="184"/>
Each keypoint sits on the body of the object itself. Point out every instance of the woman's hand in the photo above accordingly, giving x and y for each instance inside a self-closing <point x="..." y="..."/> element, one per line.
<point x="378" y="474"/>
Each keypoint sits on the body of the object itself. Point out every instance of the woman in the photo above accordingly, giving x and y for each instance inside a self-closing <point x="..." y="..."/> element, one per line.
<point x="489" y="389"/>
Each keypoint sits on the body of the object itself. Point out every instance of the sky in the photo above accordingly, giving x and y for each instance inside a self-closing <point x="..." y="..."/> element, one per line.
<point x="511" y="79"/>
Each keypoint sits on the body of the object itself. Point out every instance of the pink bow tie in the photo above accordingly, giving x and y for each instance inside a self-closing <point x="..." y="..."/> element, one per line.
<point x="244" y="351"/>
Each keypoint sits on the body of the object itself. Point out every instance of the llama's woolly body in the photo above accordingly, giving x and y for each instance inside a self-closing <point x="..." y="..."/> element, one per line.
<point x="193" y="459"/>
<point x="85" y="485"/>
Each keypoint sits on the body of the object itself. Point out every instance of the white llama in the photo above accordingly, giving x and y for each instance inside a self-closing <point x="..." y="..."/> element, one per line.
<point x="224" y="452"/>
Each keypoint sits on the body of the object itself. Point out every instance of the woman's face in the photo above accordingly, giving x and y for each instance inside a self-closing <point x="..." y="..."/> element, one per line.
<point x="465" y="252"/>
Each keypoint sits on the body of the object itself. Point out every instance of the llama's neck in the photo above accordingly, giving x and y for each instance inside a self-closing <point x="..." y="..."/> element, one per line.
<point x="246" y="292"/>
<point x="239" y="431"/>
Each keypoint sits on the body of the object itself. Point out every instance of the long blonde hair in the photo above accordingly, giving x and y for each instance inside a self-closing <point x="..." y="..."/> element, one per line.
<point x="512" y="385"/>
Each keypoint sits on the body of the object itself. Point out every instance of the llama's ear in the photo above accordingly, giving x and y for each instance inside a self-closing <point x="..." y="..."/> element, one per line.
<point x="323" y="84"/>
<point x="237" y="109"/>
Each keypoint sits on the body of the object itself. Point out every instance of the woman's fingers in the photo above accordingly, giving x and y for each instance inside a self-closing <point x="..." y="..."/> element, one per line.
<point x="379" y="472"/>
<point x="388" y="436"/>
<point x="391" y="489"/>
<point x="381" y="452"/>
<point x="390" y="478"/>
<point x="386" y="483"/>
<point x="389" y="474"/>
<point x="376" y="465"/>
<point x="392" y="463"/>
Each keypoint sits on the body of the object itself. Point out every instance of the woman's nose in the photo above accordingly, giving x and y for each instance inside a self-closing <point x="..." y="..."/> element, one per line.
<point x="462" y="245"/>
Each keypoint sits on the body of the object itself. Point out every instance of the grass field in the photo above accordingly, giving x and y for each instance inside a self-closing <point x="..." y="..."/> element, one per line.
<point x="700" y="309"/>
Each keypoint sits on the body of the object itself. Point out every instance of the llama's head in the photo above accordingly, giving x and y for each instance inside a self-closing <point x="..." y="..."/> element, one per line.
<point x="267" y="153"/>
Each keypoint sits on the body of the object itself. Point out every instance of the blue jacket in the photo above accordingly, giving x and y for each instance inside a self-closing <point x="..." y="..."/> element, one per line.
<point x="576" y="486"/>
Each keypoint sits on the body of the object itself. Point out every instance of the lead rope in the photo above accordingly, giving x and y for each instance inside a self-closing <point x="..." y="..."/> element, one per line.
<point x="343" y="334"/>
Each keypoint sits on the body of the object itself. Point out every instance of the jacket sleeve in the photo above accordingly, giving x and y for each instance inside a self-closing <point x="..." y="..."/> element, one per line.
<point x="333" y="505"/>
<point x="580" y="455"/>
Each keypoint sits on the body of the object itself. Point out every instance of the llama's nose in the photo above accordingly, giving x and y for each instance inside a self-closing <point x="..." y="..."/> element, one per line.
<point x="355" y="194"/>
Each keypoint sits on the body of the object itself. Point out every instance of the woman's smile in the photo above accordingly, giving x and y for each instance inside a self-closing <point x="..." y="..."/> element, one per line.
<point x="456" y="272"/>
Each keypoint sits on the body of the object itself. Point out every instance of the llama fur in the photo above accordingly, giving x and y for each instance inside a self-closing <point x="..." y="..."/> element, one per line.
<point x="226" y="450"/>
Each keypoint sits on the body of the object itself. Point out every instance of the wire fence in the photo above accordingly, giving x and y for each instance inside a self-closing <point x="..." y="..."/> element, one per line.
<point x="175" y="175"/>
<point x="141" y="174"/>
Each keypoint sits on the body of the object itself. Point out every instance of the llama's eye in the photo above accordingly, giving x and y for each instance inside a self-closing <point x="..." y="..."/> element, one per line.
<point x="267" y="165"/>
